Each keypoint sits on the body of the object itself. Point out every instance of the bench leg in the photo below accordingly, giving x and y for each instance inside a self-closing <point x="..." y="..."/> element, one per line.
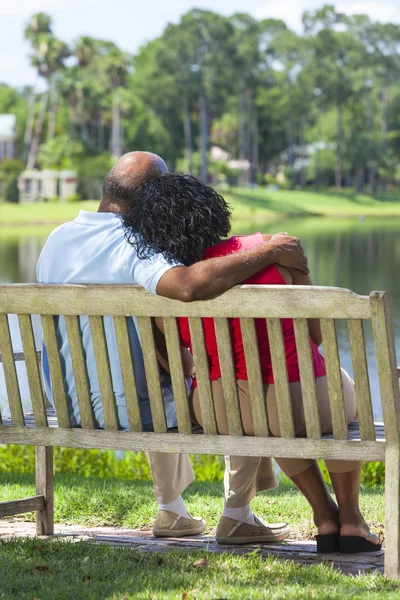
<point x="392" y="512"/>
<point x="44" y="487"/>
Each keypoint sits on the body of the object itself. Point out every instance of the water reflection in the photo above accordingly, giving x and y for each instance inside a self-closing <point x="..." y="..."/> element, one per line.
<point x="361" y="256"/>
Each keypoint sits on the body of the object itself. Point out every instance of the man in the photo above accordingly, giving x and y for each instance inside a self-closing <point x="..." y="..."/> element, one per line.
<point x="92" y="249"/>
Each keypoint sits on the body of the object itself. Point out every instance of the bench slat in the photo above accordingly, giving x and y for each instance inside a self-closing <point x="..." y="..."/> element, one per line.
<point x="203" y="376"/>
<point x="32" y="369"/>
<point x="177" y="375"/>
<point x="10" y="373"/>
<point x="334" y="378"/>
<point x="307" y="378"/>
<point x="282" y="389"/>
<point x="382" y="328"/>
<point x="17" y="507"/>
<point x="104" y="372"/>
<point x="80" y="373"/>
<point x="152" y="374"/>
<point x="228" y="376"/>
<point x="256" y="385"/>
<point x="56" y="374"/>
<point x="361" y="379"/>
<point x="128" y="373"/>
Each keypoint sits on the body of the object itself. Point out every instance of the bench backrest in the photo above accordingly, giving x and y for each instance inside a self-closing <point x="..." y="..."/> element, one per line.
<point x="247" y="302"/>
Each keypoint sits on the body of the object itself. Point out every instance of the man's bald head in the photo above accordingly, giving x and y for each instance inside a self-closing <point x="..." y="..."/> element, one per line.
<point x="131" y="172"/>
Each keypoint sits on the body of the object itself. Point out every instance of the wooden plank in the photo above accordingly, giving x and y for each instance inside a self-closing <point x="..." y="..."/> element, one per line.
<point x="256" y="385"/>
<point x="32" y="369"/>
<point x="128" y="373"/>
<point x="392" y="510"/>
<point x="17" y="507"/>
<point x="177" y="375"/>
<point x="334" y="378"/>
<point x="56" y="374"/>
<point x="196" y="444"/>
<point x="80" y="374"/>
<point x="307" y="378"/>
<point x="203" y="376"/>
<point x="45" y="489"/>
<point x="361" y="379"/>
<point x="152" y="374"/>
<point x="10" y="373"/>
<point x="248" y="301"/>
<point x="382" y="327"/>
<point x="19" y="356"/>
<point x="104" y="372"/>
<point x="228" y="376"/>
<point x="282" y="389"/>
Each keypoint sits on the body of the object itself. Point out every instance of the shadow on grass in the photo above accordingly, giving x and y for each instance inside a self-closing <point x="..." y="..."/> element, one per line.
<point x="264" y="201"/>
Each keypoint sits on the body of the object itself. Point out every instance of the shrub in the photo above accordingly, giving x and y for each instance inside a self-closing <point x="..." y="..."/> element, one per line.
<point x="74" y="198"/>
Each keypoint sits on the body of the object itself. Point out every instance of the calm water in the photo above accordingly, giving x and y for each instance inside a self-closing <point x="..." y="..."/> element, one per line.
<point x="360" y="255"/>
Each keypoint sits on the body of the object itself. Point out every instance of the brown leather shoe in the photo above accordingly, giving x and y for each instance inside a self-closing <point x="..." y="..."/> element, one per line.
<point x="230" y="531"/>
<point x="169" y="524"/>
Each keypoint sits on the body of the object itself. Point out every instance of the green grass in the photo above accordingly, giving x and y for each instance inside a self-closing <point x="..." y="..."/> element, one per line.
<point x="58" y="570"/>
<point x="250" y="205"/>
<point x="81" y="570"/>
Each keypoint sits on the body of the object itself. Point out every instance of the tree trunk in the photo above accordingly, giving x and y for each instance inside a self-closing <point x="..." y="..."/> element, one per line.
<point x="203" y="138"/>
<point x="51" y="127"/>
<point x="38" y="132"/>
<point x="29" y="123"/>
<point x="384" y="124"/>
<point x="254" y="148"/>
<point x="339" y="146"/>
<point x="188" y="137"/>
<point x="370" y="161"/>
<point x="100" y="135"/>
<point x="116" y="127"/>
<point x="303" y="172"/>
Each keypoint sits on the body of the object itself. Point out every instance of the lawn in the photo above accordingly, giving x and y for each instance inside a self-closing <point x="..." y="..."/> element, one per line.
<point x="81" y="570"/>
<point x="250" y="205"/>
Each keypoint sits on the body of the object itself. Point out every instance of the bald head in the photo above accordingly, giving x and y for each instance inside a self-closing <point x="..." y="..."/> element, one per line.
<point x="131" y="172"/>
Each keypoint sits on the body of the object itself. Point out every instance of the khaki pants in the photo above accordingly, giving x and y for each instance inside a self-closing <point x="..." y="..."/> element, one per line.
<point x="245" y="476"/>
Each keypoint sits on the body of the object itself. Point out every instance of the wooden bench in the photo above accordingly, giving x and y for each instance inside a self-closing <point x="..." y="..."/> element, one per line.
<point x="366" y="440"/>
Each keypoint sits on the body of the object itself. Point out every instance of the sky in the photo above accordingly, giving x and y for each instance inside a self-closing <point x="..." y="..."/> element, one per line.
<point x="130" y="23"/>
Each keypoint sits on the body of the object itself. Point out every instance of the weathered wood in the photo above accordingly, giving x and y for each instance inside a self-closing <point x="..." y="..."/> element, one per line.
<point x="19" y="356"/>
<point x="307" y="378"/>
<point x="128" y="373"/>
<point x="203" y="376"/>
<point x="80" y="373"/>
<point x="392" y="511"/>
<point x="282" y="389"/>
<point x="56" y="374"/>
<point x="228" y="376"/>
<point x="334" y="378"/>
<point x="44" y="488"/>
<point x="361" y="379"/>
<point x="10" y="373"/>
<point x="196" y="444"/>
<point x="177" y="375"/>
<point x="259" y="301"/>
<point x="32" y="369"/>
<point x="152" y="374"/>
<point x="256" y="386"/>
<point x="104" y="372"/>
<point x="387" y="365"/>
<point x="17" y="507"/>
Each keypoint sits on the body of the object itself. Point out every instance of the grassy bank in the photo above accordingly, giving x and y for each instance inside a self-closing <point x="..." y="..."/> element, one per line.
<point x="247" y="205"/>
<point x="82" y="570"/>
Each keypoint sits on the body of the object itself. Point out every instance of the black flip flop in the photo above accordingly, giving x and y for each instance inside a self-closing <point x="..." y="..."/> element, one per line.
<point x="328" y="543"/>
<point x="353" y="544"/>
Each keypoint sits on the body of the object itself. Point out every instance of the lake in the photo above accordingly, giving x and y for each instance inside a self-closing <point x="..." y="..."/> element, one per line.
<point x="362" y="255"/>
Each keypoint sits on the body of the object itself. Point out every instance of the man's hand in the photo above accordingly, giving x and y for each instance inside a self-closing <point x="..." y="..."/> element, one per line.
<point x="289" y="252"/>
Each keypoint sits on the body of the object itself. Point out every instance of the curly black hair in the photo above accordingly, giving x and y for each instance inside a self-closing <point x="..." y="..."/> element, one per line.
<point x="178" y="216"/>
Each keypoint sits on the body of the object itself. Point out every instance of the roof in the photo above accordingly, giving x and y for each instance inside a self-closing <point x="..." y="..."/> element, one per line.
<point x="7" y="124"/>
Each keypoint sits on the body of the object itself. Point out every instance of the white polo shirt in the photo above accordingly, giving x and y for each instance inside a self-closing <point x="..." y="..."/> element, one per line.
<point x="92" y="249"/>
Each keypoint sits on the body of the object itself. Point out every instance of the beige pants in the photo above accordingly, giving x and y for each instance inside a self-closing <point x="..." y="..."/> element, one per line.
<point x="245" y="476"/>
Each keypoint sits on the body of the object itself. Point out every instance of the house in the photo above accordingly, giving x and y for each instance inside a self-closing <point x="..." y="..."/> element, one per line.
<point x="7" y="136"/>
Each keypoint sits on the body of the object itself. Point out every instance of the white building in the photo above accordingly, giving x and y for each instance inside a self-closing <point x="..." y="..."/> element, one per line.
<point x="7" y="136"/>
<point x="48" y="184"/>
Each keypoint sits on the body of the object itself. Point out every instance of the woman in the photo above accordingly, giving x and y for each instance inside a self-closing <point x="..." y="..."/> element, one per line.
<point x="188" y="221"/>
